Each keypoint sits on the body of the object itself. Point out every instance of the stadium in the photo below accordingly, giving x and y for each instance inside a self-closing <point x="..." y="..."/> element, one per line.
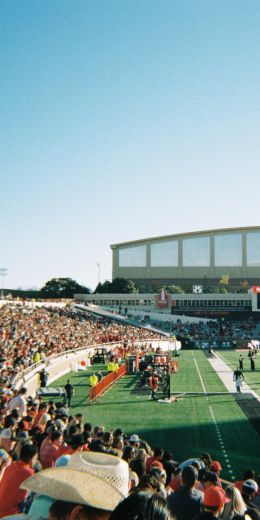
<point x="191" y="258"/>
<point x="128" y="393"/>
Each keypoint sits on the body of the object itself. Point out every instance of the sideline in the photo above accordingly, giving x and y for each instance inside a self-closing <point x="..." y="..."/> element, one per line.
<point x="219" y="436"/>
<point x="225" y="373"/>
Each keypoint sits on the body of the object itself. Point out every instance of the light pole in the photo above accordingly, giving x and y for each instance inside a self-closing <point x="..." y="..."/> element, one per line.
<point x="98" y="266"/>
<point x="3" y="273"/>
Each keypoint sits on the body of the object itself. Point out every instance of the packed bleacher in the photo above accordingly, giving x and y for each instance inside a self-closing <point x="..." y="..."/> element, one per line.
<point x="30" y="334"/>
<point x="55" y="465"/>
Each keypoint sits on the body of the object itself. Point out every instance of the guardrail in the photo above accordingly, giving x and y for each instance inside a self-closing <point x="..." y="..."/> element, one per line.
<point x="106" y="382"/>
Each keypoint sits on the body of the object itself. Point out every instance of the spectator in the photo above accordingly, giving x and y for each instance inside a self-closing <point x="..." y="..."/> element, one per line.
<point x="11" y="496"/>
<point x="249" y="492"/>
<point x="140" y="506"/>
<point x="18" y="402"/>
<point x="216" y="467"/>
<point x="89" y="487"/>
<point x="186" y="503"/>
<point x="235" y="509"/>
<point x="214" y="502"/>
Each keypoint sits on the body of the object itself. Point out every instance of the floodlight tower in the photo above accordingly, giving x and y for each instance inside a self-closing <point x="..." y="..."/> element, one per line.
<point x="3" y="273"/>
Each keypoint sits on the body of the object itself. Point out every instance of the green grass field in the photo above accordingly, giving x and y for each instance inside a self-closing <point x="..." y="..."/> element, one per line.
<point x="188" y="427"/>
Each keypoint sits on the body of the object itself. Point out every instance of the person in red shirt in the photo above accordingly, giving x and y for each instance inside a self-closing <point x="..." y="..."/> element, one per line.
<point x="157" y="456"/>
<point x="11" y="496"/>
<point x="49" y="449"/>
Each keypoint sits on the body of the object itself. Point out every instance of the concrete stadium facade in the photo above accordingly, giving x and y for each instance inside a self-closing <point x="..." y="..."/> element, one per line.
<point x="200" y="257"/>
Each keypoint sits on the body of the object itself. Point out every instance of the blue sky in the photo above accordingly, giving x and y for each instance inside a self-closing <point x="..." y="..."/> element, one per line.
<point x="122" y="120"/>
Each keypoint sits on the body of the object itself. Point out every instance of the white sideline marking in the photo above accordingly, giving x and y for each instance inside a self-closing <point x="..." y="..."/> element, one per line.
<point x="219" y="436"/>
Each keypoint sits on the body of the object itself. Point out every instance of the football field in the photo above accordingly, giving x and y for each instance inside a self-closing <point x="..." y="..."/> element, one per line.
<point x="197" y="422"/>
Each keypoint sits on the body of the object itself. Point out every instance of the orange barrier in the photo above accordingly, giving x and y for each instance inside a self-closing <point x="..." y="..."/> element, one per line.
<point x="106" y="382"/>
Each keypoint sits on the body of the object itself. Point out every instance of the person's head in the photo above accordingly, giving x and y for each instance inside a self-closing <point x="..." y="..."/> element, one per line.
<point x="79" y="418"/>
<point x="57" y="437"/>
<point x="160" y="474"/>
<point x="149" y="483"/>
<point x="28" y="453"/>
<point x="206" y="458"/>
<point x="134" y="440"/>
<point x="76" y="442"/>
<point x="87" y="427"/>
<point x="209" y="478"/>
<point x="9" y="421"/>
<point x="15" y="414"/>
<point x="214" y="500"/>
<point x="141" y="454"/>
<point x="249" y="474"/>
<point x="6" y="441"/>
<point x="96" y="480"/>
<point x="118" y="443"/>
<point x="249" y="488"/>
<point x="140" y="506"/>
<point x="215" y="466"/>
<point x="236" y="505"/>
<point x="129" y="453"/>
<point x="108" y="438"/>
<point x="158" y="453"/>
<point x="23" y="391"/>
<point x="189" y="475"/>
<point x="61" y="510"/>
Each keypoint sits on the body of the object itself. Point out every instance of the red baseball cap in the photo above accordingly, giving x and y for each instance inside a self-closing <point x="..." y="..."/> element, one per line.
<point x="214" y="496"/>
<point x="215" y="465"/>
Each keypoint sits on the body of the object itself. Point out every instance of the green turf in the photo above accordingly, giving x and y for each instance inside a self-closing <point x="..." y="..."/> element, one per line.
<point x="186" y="427"/>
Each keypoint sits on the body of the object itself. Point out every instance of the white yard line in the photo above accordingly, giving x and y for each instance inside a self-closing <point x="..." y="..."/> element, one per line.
<point x="219" y="436"/>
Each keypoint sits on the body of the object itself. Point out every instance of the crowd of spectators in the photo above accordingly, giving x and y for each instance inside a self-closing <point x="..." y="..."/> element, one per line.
<point x="52" y="462"/>
<point x="31" y="334"/>
<point x="57" y="466"/>
<point x="220" y="330"/>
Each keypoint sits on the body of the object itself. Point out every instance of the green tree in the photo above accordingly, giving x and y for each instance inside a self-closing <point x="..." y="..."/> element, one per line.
<point x="244" y="286"/>
<point x="173" y="289"/>
<point x="224" y="283"/>
<point x="63" y="288"/>
<point x="117" y="286"/>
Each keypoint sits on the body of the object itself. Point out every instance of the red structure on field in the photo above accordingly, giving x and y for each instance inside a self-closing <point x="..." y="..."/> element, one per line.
<point x="106" y="382"/>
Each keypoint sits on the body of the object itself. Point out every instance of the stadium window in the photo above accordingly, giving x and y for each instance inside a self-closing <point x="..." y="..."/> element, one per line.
<point x="105" y="302"/>
<point x="117" y="302"/>
<point x="164" y="253"/>
<point x="101" y="302"/>
<point x="228" y="250"/>
<point x="132" y="256"/>
<point x="196" y="252"/>
<point x="253" y="248"/>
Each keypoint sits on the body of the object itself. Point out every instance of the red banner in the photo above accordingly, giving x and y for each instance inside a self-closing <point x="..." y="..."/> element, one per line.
<point x="162" y="299"/>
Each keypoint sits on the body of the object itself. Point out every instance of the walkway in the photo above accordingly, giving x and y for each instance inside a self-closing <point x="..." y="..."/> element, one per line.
<point x="226" y="375"/>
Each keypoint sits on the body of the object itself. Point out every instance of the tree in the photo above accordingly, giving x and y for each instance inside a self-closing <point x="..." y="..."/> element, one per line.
<point x="63" y="288"/>
<point x="117" y="286"/>
<point x="224" y="282"/>
<point x="244" y="286"/>
<point x="173" y="289"/>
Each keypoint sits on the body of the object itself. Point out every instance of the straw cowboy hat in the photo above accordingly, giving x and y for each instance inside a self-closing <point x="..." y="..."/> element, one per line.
<point x="96" y="479"/>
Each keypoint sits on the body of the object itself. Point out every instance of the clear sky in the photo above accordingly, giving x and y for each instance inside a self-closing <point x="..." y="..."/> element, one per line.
<point x="123" y="119"/>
